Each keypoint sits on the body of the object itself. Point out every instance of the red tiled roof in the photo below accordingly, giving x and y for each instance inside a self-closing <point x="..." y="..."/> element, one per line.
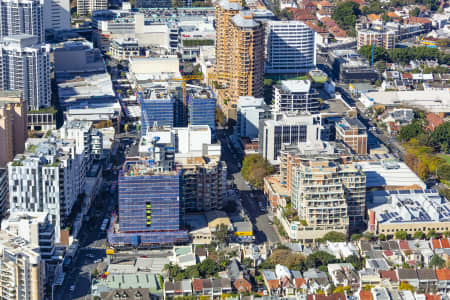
<point x="433" y="122"/>
<point x="404" y="245"/>
<point x="445" y="243"/>
<point x="325" y="3"/>
<point x="366" y="295"/>
<point x="388" y="252"/>
<point x="391" y="275"/>
<point x="373" y="17"/>
<point x="338" y="32"/>
<point x="324" y="12"/>
<point x="436" y="244"/>
<point x="273" y="284"/>
<point x="417" y="20"/>
<point x="406" y="75"/>
<point x="432" y="297"/>
<point x="197" y="284"/>
<point x="315" y="27"/>
<point x="443" y="274"/>
<point x="336" y="296"/>
<point x="299" y="282"/>
<point x="242" y="285"/>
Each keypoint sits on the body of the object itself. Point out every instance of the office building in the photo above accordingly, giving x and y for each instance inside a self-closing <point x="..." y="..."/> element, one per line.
<point x="295" y="96"/>
<point x="57" y="15"/>
<point x="151" y="208"/>
<point x="25" y="66"/>
<point x="35" y="228"/>
<point x="349" y="65"/>
<point x="201" y="108"/>
<point x="13" y="125"/>
<point x="124" y="48"/>
<point x="381" y="38"/>
<point x="77" y="56"/>
<point x="353" y="133"/>
<point x="21" y="269"/>
<point x="22" y="17"/>
<point x="46" y="178"/>
<point x="4" y="198"/>
<point x="239" y="62"/>
<point x="290" y="47"/>
<point x="157" y="109"/>
<point x="287" y="129"/>
<point x="410" y="211"/>
<point x="250" y="112"/>
<point x="86" y="7"/>
<point x="325" y="193"/>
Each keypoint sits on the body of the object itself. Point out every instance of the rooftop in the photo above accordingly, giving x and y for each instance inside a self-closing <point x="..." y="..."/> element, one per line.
<point x="245" y="19"/>
<point x="296" y="86"/>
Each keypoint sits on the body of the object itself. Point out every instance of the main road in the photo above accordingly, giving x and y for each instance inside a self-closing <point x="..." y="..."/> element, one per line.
<point x="262" y="228"/>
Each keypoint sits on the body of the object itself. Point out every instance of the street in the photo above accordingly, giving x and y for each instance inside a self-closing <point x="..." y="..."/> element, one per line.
<point x="262" y="230"/>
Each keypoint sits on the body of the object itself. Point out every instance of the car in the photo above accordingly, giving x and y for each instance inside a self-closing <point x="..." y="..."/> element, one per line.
<point x="72" y="288"/>
<point x="97" y="261"/>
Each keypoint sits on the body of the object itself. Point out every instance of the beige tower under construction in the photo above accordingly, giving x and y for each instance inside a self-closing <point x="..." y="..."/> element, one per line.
<point x="239" y="63"/>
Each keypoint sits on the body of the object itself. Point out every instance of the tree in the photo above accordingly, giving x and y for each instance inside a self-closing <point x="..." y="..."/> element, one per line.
<point x="440" y="137"/>
<point x="355" y="260"/>
<point x="410" y="131"/>
<point x="379" y="53"/>
<point x="334" y="236"/>
<point x="207" y="268"/>
<point x="437" y="261"/>
<point x="254" y="169"/>
<point x="319" y="258"/>
<point x="418" y="235"/>
<point x="414" y="12"/>
<point x="355" y="237"/>
<point x="221" y="233"/>
<point x="382" y="237"/>
<point x="401" y="235"/>
<point x="345" y="14"/>
<point x="431" y="234"/>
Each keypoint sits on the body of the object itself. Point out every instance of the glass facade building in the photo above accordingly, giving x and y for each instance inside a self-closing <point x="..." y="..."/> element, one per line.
<point x="160" y="111"/>
<point x="202" y="109"/>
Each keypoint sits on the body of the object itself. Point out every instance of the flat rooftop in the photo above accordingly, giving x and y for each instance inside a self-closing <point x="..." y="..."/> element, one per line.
<point x="296" y="86"/>
<point x="389" y="174"/>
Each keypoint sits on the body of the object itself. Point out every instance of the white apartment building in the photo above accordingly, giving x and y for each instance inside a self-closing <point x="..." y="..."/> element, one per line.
<point x="21" y="269"/>
<point x="86" y="7"/>
<point x="25" y="66"/>
<point x="57" y="15"/>
<point x="381" y="38"/>
<point x="296" y="96"/>
<point x="46" y="178"/>
<point x="290" y="47"/>
<point x="287" y="129"/>
<point x="250" y="111"/>
<point x="35" y="228"/>
<point x="22" y="17"/>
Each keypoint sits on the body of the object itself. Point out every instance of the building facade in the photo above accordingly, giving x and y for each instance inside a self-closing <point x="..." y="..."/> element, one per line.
<point x="57" y="15"/>
<point x="157" y="109"/>
<point x="296" y="96"/>
<point x="204" y="182"/>
<point x="325" y="194"/>
<point x="13" y="125"/>
<point x="25" y="66"/>
<point x="21" y="268"/>
<point x="239" y="62"/>
<point x="22" y="17"/>
<point x="86" y="7"/>
<point x="3" y="191"/>
<point x="353" y="133"/>
<point x="290" y="47"/>
<point x="202" y="109"/>
<point x="381" y="38"/>
<point x="287" y="129"/>
<point x="250" y="112"/>
<point x="46" y="178"/>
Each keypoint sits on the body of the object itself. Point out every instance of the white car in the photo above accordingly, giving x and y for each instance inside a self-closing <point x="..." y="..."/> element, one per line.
<point x="72" y="288"/>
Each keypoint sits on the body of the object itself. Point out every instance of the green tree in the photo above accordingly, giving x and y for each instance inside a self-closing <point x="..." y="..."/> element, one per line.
<point x="334" y="236"/>
<point x="437" y="261"/>
<point x="356" y="261"/>
<point x="319" y="258"/>
<point x="414" y="12"/>
<point x="379" y="53"/>
<point x="346" y="13"/>
<point x="221" y="233"/>
<point x="410" y="131"/>
<point x="355" y="237"/>
<point x="382" y="237"/>
<point x="440" y="137"/>
<point x="255" y="168"/>
<point x="418" y="235"/>
<point x="207" y="268"/>
<point x="431" y="234"/>
<point x="401" y="235"/>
